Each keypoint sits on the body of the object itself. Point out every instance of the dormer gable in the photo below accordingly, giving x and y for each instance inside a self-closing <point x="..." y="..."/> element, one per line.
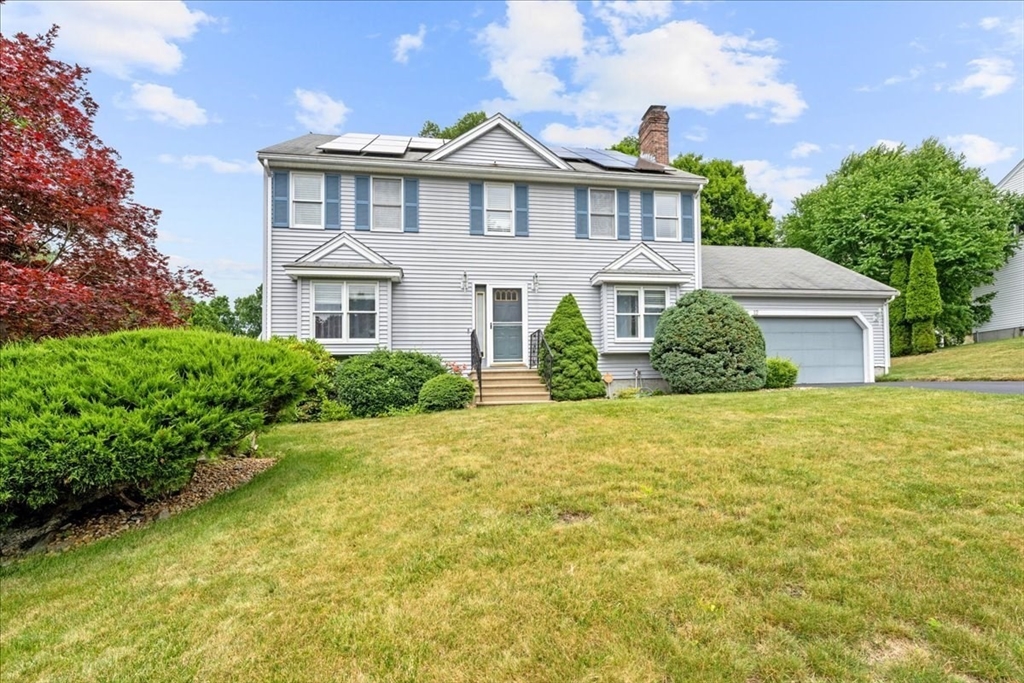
<point x="498" y="142"/>
<point x="640" y="265"/>
<point x="344" y="256"/>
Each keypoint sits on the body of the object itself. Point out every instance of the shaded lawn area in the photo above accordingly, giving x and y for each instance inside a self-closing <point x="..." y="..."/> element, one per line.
<point x="865" y="534"/>
<point x="997" y="360"/>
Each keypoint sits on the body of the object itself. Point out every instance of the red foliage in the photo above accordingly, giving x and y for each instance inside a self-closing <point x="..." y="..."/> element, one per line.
<point x="77" y="255"/>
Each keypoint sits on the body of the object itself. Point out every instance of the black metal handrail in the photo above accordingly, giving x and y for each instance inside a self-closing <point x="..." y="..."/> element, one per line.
<point x="541" y="356"/>
<point x="477" y="357"/>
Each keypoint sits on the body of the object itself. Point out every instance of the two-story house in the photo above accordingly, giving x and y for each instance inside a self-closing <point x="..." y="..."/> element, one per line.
<point x="1008" y="304"/>
<point x="417" y="243"/>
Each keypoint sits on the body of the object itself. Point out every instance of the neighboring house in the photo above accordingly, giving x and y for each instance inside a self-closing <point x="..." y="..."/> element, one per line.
<point x="1008" y="305"/>
<point x="413" y="243"/>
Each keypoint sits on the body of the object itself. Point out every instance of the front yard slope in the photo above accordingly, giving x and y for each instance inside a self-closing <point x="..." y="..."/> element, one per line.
<point x="997" y="360"/>
<point x="864" y="534"/>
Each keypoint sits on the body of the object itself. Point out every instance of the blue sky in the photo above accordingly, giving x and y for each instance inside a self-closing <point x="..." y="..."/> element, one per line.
<point x="189" y="91"/>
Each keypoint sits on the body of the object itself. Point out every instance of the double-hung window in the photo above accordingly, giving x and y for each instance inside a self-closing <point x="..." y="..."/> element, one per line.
<point x="666" y="216"/>
<point x="308" y="200"/>
<point x="602" y="214"/>
<point x="637" y="310"/>
<point x="387" y="204"/>
<point x="497" y="209"/>
<point x="345" y="311"/>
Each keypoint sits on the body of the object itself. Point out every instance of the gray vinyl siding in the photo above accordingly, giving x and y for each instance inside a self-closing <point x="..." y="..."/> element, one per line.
<point x="430" y="311"/>
<point x="498" y="147"/>
<point x="1008" y="304"/>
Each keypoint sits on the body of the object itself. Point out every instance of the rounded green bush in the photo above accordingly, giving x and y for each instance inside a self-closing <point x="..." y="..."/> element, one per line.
<point x="782" y="373"/>
<point x="446" y="392"/>
<point x="380" y="381"/>
<point x="707" y="343"/>
<point x="316" y="405"/>
<point x="574" y="373"/>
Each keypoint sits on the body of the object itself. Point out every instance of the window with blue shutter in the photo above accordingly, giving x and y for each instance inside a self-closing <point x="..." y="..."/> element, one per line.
<point x="476" y="208"/>
<point x="332" y="202"/>
<point x="362" y="202"/>
<point x="582" y="213"/>
<point x="647" y="216"/>
<point x="687" y="216"/>
<point x="279" y="192"/>
<point x="623" y="207"/>
<point x="412" y="205"/>
<point x="522" y="210"/>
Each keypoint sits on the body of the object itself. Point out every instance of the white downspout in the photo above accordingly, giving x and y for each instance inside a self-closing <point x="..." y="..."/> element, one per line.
<point x="267" y="245"/>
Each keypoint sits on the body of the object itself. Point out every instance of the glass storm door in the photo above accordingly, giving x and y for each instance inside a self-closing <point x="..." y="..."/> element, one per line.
<point x="507" y="325"/>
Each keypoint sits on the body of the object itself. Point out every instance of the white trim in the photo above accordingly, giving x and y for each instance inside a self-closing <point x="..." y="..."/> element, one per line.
<point x="345" y="339"/>
<point x="641" y="295"/>
<point x="640" y="277"/>
<point x="394" y="274"/>
<point x="343" y="240"/>
<point x="642" y="249"/>
<point x="868" y="338"/>
<point x="268" y="180"/>
<point x="524" y="289"/>
<point x="678" y="217"/>
<point x="292" y="201"/>
<point x="1001" y="185"/>
<point x="511" y="211"/>
<point x="498" y="121"/>
<point x="401" y="203"/>
<point x="808" y="293"/>
<point x="615" y="213"/>
<point x="698" y="256"/>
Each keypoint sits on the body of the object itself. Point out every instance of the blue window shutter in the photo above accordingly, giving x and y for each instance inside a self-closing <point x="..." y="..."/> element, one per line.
<point x="687" y="216"/>
<point x="332" y="202"/>
<point x="476" y="208"/>
<point x="623" y="196"/>
<point x="412" y="204"/>
<point x="647" y="216"/>
<point x="362" y="202"/>
<point x="582" y="213"/>
<point x="279" y="192"/>
<point x="522" y="210"/>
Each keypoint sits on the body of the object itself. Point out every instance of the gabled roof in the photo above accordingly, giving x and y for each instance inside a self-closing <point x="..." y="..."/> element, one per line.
<point x="640" y="265"/>
<point x="498" y="121"/>
<point x="778" y="270"/>
<point x="1005" y="183"/>
<point x="344" y="256"/>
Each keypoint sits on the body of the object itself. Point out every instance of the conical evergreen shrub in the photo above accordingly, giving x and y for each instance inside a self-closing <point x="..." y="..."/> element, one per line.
<point x="899" y="328"/>
<point x="574" y="373"/>
<point x="924" y="301"/>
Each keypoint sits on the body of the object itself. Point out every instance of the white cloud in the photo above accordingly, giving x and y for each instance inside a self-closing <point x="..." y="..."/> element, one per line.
<point x="319" y="112"/>
<point x="978" y="150"/>
<point x="696" y="134"/>
<point x="781" y="184"/>
<point x="889" y="145"/>
<point x="598" y="137"/>
<point x="190" y="162"/>
<point x="804" y="149"/>
<point x="409" y="42"/>
<point x="164" y="106"/>
<point x="989" y="23"/>
<point x="115" y="37"/>
<point x="621" y="16"/>
<point x="681" y="64"/>
<point x="992" y="76"/>
<point x="911" y="75"/>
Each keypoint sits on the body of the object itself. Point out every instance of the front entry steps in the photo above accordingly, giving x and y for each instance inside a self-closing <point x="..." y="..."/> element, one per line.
<point x="510" y="386"/>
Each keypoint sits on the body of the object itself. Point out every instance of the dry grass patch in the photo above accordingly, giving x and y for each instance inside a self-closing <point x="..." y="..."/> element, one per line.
<point x="987" y="361"/>
<point x="761" y="537"/>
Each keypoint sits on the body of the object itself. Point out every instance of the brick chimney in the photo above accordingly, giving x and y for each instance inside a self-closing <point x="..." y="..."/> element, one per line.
<point x="654" y="134"/>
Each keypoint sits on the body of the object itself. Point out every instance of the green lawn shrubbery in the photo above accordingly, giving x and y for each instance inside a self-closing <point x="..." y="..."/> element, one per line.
<point x="318" y="404"/>
<point x="131" y="412"/>
<point x="781" y="374"/>
<point x="574" y="373"/>
<point x="381" y="381"/>
<point x="707" y="343"/>
<point x="446" y="392"/>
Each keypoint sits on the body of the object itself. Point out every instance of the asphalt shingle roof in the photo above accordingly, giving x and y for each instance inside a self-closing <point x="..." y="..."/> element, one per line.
<point x="780" y="269"/>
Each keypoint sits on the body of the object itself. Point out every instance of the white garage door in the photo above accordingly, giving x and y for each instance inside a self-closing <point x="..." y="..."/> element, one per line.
<point x="827" y="350"/>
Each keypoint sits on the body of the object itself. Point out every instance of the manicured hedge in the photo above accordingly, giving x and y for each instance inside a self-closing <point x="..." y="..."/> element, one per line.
<point x="130" y="412"/>
<point x="707" y="343"/>
<point x="446" y="392"/>
<point x="782" y="373"/>
<point x="574" y="373"/>
<point x="381" y="381"/>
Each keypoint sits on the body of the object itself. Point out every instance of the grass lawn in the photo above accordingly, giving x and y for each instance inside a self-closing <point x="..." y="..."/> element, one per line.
<point x="863" y="534"/>
<point x="998" y="360"/>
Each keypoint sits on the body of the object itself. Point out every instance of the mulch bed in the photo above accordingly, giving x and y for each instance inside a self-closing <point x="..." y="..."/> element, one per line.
<point x="115" y="517"/>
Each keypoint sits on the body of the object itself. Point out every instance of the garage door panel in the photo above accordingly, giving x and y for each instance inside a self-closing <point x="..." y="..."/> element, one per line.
<point x="827" y="350"/>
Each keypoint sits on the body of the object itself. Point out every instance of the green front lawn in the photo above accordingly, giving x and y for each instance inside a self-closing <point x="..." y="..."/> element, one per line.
<point x="864" y="534"/>
<point x="998" y="360"/>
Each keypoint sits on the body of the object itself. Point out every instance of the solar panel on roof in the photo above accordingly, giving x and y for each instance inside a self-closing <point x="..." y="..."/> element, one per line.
<point x="566" y="153"/>
<point x="388" y="145"/>
<point x="428" y="144"/>
<point x="624" y="158"/>
<point x="349" y="142"/>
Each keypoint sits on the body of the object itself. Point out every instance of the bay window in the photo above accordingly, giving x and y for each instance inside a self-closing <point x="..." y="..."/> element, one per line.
<point x="345" y="311"/>
<point x="637" y="311"/>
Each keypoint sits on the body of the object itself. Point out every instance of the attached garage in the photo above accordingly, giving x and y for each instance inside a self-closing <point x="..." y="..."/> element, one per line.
<point x="827" y="350"/>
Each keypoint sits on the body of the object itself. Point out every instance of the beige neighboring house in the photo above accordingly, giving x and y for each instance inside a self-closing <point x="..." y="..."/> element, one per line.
<point x="1008" y="305"/>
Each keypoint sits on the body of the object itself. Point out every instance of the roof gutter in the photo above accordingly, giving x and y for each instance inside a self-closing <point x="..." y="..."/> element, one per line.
<point x="478" y="172"/>
<point x="888" y="294"/>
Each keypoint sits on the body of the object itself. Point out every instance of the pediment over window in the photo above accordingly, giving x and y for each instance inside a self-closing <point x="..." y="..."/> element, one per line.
<point x="344" y="257"/>
<point x="641" y="265"/>
<point x="498" y="142"/>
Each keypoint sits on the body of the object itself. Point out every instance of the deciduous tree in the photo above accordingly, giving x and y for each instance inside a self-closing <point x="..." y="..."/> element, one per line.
<point x="466" y="123"/>
<point x="77" y="254"/>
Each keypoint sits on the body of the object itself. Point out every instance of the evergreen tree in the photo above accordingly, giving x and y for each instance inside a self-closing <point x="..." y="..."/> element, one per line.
<point x="574" y="373"/>
<point x="923" y="300"/>
<point x="899" y="328"/>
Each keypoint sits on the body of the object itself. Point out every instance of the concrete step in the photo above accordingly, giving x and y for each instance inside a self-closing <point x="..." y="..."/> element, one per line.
<point x="510" y="402"/>
<point x="509" y="373"/>
<point x="512" y="381"/>
<point x="518" y="392"/>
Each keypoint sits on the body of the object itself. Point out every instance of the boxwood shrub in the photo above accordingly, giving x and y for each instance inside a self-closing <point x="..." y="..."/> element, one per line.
<point x="781" y="374"/>
<point x="708" y="343"/>
<point x="380" y="381"/>
<point x="130" y="412"/>
<point x="446" y="392"/>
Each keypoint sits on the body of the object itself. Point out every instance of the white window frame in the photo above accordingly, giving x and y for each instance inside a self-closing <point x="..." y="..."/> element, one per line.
<point x="615" y="213"/>
<point x="678" y="217"/>
<point x="640" y="291"/>
<point x="292" y="201"/>
<point x="511" y="210"/>
<point x="345" y="338"/>
<point x="401" y="204"/>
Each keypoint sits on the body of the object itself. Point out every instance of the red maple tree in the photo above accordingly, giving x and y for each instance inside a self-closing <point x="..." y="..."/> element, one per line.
<point x="77" y="255"/>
